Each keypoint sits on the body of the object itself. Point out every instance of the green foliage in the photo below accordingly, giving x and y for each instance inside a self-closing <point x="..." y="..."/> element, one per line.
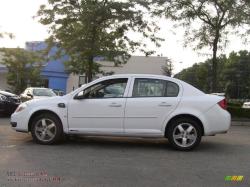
<point x="216" y="20"/>
<point x="236" y="75"/>
<point x="85" y="29"/>
<point x="233" y="75"/>
<point x="23" y="68"/>
<point x="3" y="34"/>
<point x="238" y="112"/>
<point x="200" y="75"/>
<point x="235" y="104"/>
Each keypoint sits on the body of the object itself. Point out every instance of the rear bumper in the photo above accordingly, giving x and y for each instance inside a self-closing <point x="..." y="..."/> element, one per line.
<point x="218" y="121"/>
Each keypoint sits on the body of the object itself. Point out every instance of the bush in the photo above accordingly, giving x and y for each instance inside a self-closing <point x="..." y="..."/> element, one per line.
<point x="238" y="112"/>
<point x="235" y="104"/>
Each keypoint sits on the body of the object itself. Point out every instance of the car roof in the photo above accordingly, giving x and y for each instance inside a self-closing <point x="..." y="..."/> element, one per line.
<point x="142" y="76"/>
<point x="189" y="90"/>
<point x="137" y="75"/>
<point x="37" y="88"/>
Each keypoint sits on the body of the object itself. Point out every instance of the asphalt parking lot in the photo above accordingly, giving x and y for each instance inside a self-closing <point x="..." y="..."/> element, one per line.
<point x="100" y="161"/>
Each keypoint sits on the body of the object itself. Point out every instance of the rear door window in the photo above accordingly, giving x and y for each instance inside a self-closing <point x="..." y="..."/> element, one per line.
<point x="144" y="87"/>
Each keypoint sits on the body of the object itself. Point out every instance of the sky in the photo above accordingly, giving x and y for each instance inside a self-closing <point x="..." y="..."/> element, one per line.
<point x="16" y="16"/>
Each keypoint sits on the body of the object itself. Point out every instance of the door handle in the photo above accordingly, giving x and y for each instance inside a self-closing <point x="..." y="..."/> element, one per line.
<point x="165" y="104"/>
<point x="115" y="105"/>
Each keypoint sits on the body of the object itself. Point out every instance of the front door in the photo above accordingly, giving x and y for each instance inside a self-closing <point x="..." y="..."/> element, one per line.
<point x="151" y="101"/>
<point x="99" y="108"/>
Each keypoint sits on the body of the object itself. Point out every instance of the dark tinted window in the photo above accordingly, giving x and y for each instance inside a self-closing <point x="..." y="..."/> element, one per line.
<point x="154" y="88"/>
<point x="172" y="89"/>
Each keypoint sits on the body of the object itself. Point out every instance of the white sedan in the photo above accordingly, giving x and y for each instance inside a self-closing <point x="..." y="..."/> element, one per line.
<point x="127" y="105"/>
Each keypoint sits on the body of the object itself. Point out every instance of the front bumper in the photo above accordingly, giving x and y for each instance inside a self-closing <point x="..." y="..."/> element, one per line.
<point x="13" y="124"/>
<point x="19" y="121"/>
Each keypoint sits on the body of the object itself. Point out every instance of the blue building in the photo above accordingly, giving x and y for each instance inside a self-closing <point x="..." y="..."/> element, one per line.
<point x="55" y="75"/>
<point x="53" y="72"/>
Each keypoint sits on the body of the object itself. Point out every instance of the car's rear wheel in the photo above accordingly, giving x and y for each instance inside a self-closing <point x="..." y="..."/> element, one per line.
<point x="46" y="129"/>
<point x="184" y="134"/>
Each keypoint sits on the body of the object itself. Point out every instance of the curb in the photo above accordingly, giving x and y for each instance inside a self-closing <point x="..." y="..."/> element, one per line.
<point x="240" y="123"/>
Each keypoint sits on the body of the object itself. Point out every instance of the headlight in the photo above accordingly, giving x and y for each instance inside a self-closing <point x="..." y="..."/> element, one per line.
<point x="3" y="98"/>
<point x="21" y="107"/>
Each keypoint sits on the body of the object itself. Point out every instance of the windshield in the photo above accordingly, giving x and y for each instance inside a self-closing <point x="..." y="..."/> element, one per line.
<point x="43" y="92"/>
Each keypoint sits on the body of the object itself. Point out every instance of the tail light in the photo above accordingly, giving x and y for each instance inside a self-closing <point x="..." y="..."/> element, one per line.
<point x="223" y="104"/>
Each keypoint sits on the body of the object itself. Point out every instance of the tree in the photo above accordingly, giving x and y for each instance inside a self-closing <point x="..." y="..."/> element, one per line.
<point x="200" y="74"/>
<point x="207" y="23"/>
<point x="236" y="75"/>
<point x="167" y="69"/>
<point x="4" y="34"/>
<point x="233" y="74"/>
<point x="84" y="29"/>
<point x="23" y="68"/>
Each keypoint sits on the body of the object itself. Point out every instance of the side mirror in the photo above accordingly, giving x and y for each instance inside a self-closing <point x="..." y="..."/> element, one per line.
<point x="30" y="95"/>
<point x="79" y="96"/>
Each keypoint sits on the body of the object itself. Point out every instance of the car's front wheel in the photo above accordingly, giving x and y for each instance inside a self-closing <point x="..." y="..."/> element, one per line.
<point x="184" y="134"/>
<point x="46" y="129"/>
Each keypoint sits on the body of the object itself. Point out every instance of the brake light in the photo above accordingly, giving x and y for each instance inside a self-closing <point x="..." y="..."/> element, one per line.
<point x="223" y="104"/>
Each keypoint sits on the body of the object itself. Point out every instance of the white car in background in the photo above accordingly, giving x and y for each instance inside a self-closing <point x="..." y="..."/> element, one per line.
<point x="127" y="105"/>
<point x="36" y="93"/>
<point x="246" y="105"/>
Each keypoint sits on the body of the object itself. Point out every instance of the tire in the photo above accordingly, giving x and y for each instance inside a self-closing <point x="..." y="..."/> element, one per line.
<point x="47" y="129"/>
<point x="184" y="134"/>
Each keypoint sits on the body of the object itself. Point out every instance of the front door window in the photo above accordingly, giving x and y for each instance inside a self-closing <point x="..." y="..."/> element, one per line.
<point x="113" y="88"/>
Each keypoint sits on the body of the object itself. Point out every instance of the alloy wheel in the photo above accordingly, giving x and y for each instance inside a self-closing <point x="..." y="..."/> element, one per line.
<point x="45" y="130"/>
<point x="184" y="134"/>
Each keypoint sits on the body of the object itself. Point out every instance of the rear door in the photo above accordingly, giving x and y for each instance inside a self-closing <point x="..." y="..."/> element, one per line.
<point x="150" y="101"/>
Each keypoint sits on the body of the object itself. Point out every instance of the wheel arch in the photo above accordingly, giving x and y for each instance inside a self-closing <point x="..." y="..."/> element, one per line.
<point x="184" y="116"/>
<point x="38" y="112"/>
